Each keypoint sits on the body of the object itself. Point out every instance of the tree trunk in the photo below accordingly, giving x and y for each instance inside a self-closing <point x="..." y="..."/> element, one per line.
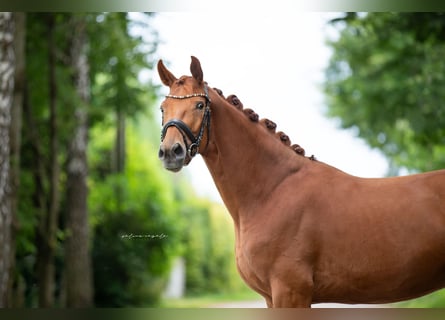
<point x="119" y="155"/>
<point x="119" y="152"/>
<point x="48" y="220"/>
<point x="39" y="195"/>
<point x="7" y="65"/>
<point x="78" y="276"/>
<point x="14" y="294"/>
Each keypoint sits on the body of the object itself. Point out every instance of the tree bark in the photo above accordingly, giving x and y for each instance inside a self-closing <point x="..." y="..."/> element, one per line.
<point x="14" y="294"/>
<point x="48" y="220"/>
<point x="78" y="274"/>
<point x="7" y="65"/>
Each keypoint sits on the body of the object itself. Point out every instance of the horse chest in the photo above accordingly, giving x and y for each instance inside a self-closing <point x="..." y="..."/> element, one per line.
<point x="252" y="268"/>
<point x="248" y="274"/>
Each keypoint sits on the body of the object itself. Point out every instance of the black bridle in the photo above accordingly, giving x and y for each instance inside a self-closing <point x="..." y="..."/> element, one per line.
<point x="193" y="149"/>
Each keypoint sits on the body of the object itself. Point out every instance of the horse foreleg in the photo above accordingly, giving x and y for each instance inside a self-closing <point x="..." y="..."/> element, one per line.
<point x="291" y="300"/>
<point x="286" y="296"/>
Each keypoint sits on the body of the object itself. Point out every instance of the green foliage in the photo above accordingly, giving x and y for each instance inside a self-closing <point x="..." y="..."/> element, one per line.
<point x="209" y="249"/>
<point x="136" y="226"/>
<point x="434" y="300"/>
<point x="212" y="300"/>
<point x="140" y="218"/>
<point x="116" y="71"/>
<point x="35" y="151"/>
<point x="131" y="214"/>
<point x="115" y="58"/>
<point x="386" y="78"/>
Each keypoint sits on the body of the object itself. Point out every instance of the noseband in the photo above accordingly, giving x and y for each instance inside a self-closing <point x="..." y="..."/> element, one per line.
<point x="193" y="149"/>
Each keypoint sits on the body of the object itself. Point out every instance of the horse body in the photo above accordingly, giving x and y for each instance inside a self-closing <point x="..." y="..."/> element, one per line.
<point x="347" y="245"/>
<point x="307" y="232"/>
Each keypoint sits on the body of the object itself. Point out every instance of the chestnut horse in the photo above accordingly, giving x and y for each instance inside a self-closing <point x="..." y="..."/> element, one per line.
<point x="306" y="232"/>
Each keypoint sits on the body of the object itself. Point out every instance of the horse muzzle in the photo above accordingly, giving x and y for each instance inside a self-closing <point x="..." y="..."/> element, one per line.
<point x="173" y="157"/>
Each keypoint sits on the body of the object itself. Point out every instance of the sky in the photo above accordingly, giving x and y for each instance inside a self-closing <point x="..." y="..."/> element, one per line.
<point x="274" y="62"/>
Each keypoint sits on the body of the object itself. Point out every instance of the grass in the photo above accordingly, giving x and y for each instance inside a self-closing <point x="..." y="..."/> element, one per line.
<point x="433" y="300"/>
<point x="206" y="300"/>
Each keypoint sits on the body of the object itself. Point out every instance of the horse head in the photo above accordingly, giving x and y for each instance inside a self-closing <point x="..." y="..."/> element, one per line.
<point x="185" y="116"/>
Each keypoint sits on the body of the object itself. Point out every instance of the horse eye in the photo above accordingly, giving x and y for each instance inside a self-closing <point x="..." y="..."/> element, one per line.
<point x="200" y="105"/>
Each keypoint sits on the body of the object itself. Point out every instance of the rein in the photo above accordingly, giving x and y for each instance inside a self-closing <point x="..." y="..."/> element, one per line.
<point x="193" y="149"/>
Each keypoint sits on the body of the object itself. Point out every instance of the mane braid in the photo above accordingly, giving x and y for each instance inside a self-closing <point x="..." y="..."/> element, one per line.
<point x="234" y="101"/>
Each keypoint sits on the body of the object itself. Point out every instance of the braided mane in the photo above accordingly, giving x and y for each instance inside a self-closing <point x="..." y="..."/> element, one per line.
<point x="268" y="124"/>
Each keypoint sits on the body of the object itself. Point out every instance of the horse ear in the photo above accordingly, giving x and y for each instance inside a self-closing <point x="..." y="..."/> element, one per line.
<point x="166" y="76"/>
<point x="195" y="68"/>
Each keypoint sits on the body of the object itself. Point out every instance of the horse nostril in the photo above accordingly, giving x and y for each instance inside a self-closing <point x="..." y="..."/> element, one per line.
<point x="161" y="153"/>
<point x="178" y="150"/>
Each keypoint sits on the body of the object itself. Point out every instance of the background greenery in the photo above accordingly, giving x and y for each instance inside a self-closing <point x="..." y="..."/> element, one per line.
<point x="129" y="193"/>
<point x="386" y="79"/>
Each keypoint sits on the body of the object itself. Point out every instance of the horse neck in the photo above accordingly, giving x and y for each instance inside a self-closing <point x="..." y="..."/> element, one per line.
<point x="245" y="160"/>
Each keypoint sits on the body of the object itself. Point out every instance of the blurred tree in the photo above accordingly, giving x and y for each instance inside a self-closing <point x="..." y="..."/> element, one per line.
<point x="78" y="277"/>
<point x="127" y="193"/>
<point x="53" y="116"/>
<point x="47" y="87"/>
<point x="7" y="67"/>
<point x="137" y="235"/>
<point x="118" y="73"/>
<point x="48" y="221"/>
<point x="83" y="101"/>
<point x="15" y="142"/>
<point x="386" y="79"/>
